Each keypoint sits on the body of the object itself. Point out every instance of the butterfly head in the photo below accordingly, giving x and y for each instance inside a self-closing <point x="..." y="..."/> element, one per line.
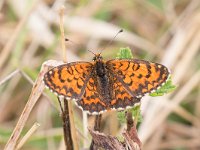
<point x="97" y="57"/>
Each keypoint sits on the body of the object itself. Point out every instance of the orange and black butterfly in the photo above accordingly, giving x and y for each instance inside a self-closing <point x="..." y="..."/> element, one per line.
<point x="101" y="85"/>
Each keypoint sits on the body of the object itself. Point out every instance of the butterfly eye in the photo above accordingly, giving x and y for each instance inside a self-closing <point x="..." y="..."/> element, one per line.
<point x="99" y="57"/>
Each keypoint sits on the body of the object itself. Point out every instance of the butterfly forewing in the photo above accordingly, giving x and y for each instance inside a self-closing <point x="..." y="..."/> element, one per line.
<point x="138" y="76"/>
<point x="69" y="80"/>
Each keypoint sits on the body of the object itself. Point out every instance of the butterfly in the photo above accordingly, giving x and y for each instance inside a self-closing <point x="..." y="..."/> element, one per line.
<point x="100" y="85"/>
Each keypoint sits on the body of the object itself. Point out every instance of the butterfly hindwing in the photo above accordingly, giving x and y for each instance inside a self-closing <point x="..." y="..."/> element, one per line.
<point x="90" y="100"/>
<point x="121" y="98"/>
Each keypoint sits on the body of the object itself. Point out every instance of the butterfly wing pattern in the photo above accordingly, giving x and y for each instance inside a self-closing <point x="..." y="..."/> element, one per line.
<point x="99" y="86"/>
<point x="90" y="101"/>
<point x="138" y="77"/>
<point x="122" y="99"/>
<point x="69" y="80"/>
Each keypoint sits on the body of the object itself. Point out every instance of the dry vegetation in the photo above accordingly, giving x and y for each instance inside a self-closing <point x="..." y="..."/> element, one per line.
<point x="166" y="31"/>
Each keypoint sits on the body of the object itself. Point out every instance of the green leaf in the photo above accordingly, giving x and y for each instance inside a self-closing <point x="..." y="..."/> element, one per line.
<point x="124" y="53"/>
<point x="136" y="112"/>
<point x="121" y="117"/>
<point x="166" y="88"/>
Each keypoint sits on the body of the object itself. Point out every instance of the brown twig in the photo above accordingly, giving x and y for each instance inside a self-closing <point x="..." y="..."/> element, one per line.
<point x="131" y="134"/>
<point x="129" y="120"/>
<point x="28" y="135"/>
<point x="35" y="94"/>
<point x="97" y="127"/>
<point x="67" y="114"/>
<point x="8" y="77"/>
<point x="66" y="124"/>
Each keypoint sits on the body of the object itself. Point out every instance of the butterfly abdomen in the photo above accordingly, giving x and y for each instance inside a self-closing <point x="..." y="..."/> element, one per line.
<point x="103" y="82"/>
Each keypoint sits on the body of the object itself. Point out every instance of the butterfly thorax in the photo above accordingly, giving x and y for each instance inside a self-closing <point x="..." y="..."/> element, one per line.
<point x="99" y="66"/>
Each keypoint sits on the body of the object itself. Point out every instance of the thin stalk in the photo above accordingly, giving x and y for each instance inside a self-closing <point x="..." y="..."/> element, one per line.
<point x="28" y="135"/>
<point x="97" y="127"/>
<point x="66" y="125"/>
<point x="67" y="115"/>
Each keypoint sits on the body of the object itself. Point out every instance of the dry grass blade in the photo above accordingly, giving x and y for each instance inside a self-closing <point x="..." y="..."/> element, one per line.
<point x="61" y="13"/>
<point x="182" y="112"/>
<point x="188" y="143"/>
<point x="69" y="111"/>
<point x="161" y="116"/>
<point x="185" y="15"/>
<point x="35" y="94"/>
<point x="27" y="77"/>
<point x="85" y="130"/>
<point x="8" y="47"/>
<point x="185" y="37"/>
<point x="8" y="77"/>
<point x="103" y="30"/>
<point x="73" y="129"/>
<point x="188" y="116"/>
<point x="1" y="3"/>
<point x="183" y="130"/>
<point x="27" y="136"/>
<point x="184" y="62"/>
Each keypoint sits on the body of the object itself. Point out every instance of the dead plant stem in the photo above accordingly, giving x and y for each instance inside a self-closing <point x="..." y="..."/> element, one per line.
<point x="70" y="128"/>
<point x="97" y="127"/>
<point x="35" y="94"/>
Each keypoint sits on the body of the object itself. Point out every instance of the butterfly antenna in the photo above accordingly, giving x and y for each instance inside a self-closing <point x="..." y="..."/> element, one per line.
<point x="91" y="52"/>
<point x="68" y="40"/>
<point x="120" y="31"/>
